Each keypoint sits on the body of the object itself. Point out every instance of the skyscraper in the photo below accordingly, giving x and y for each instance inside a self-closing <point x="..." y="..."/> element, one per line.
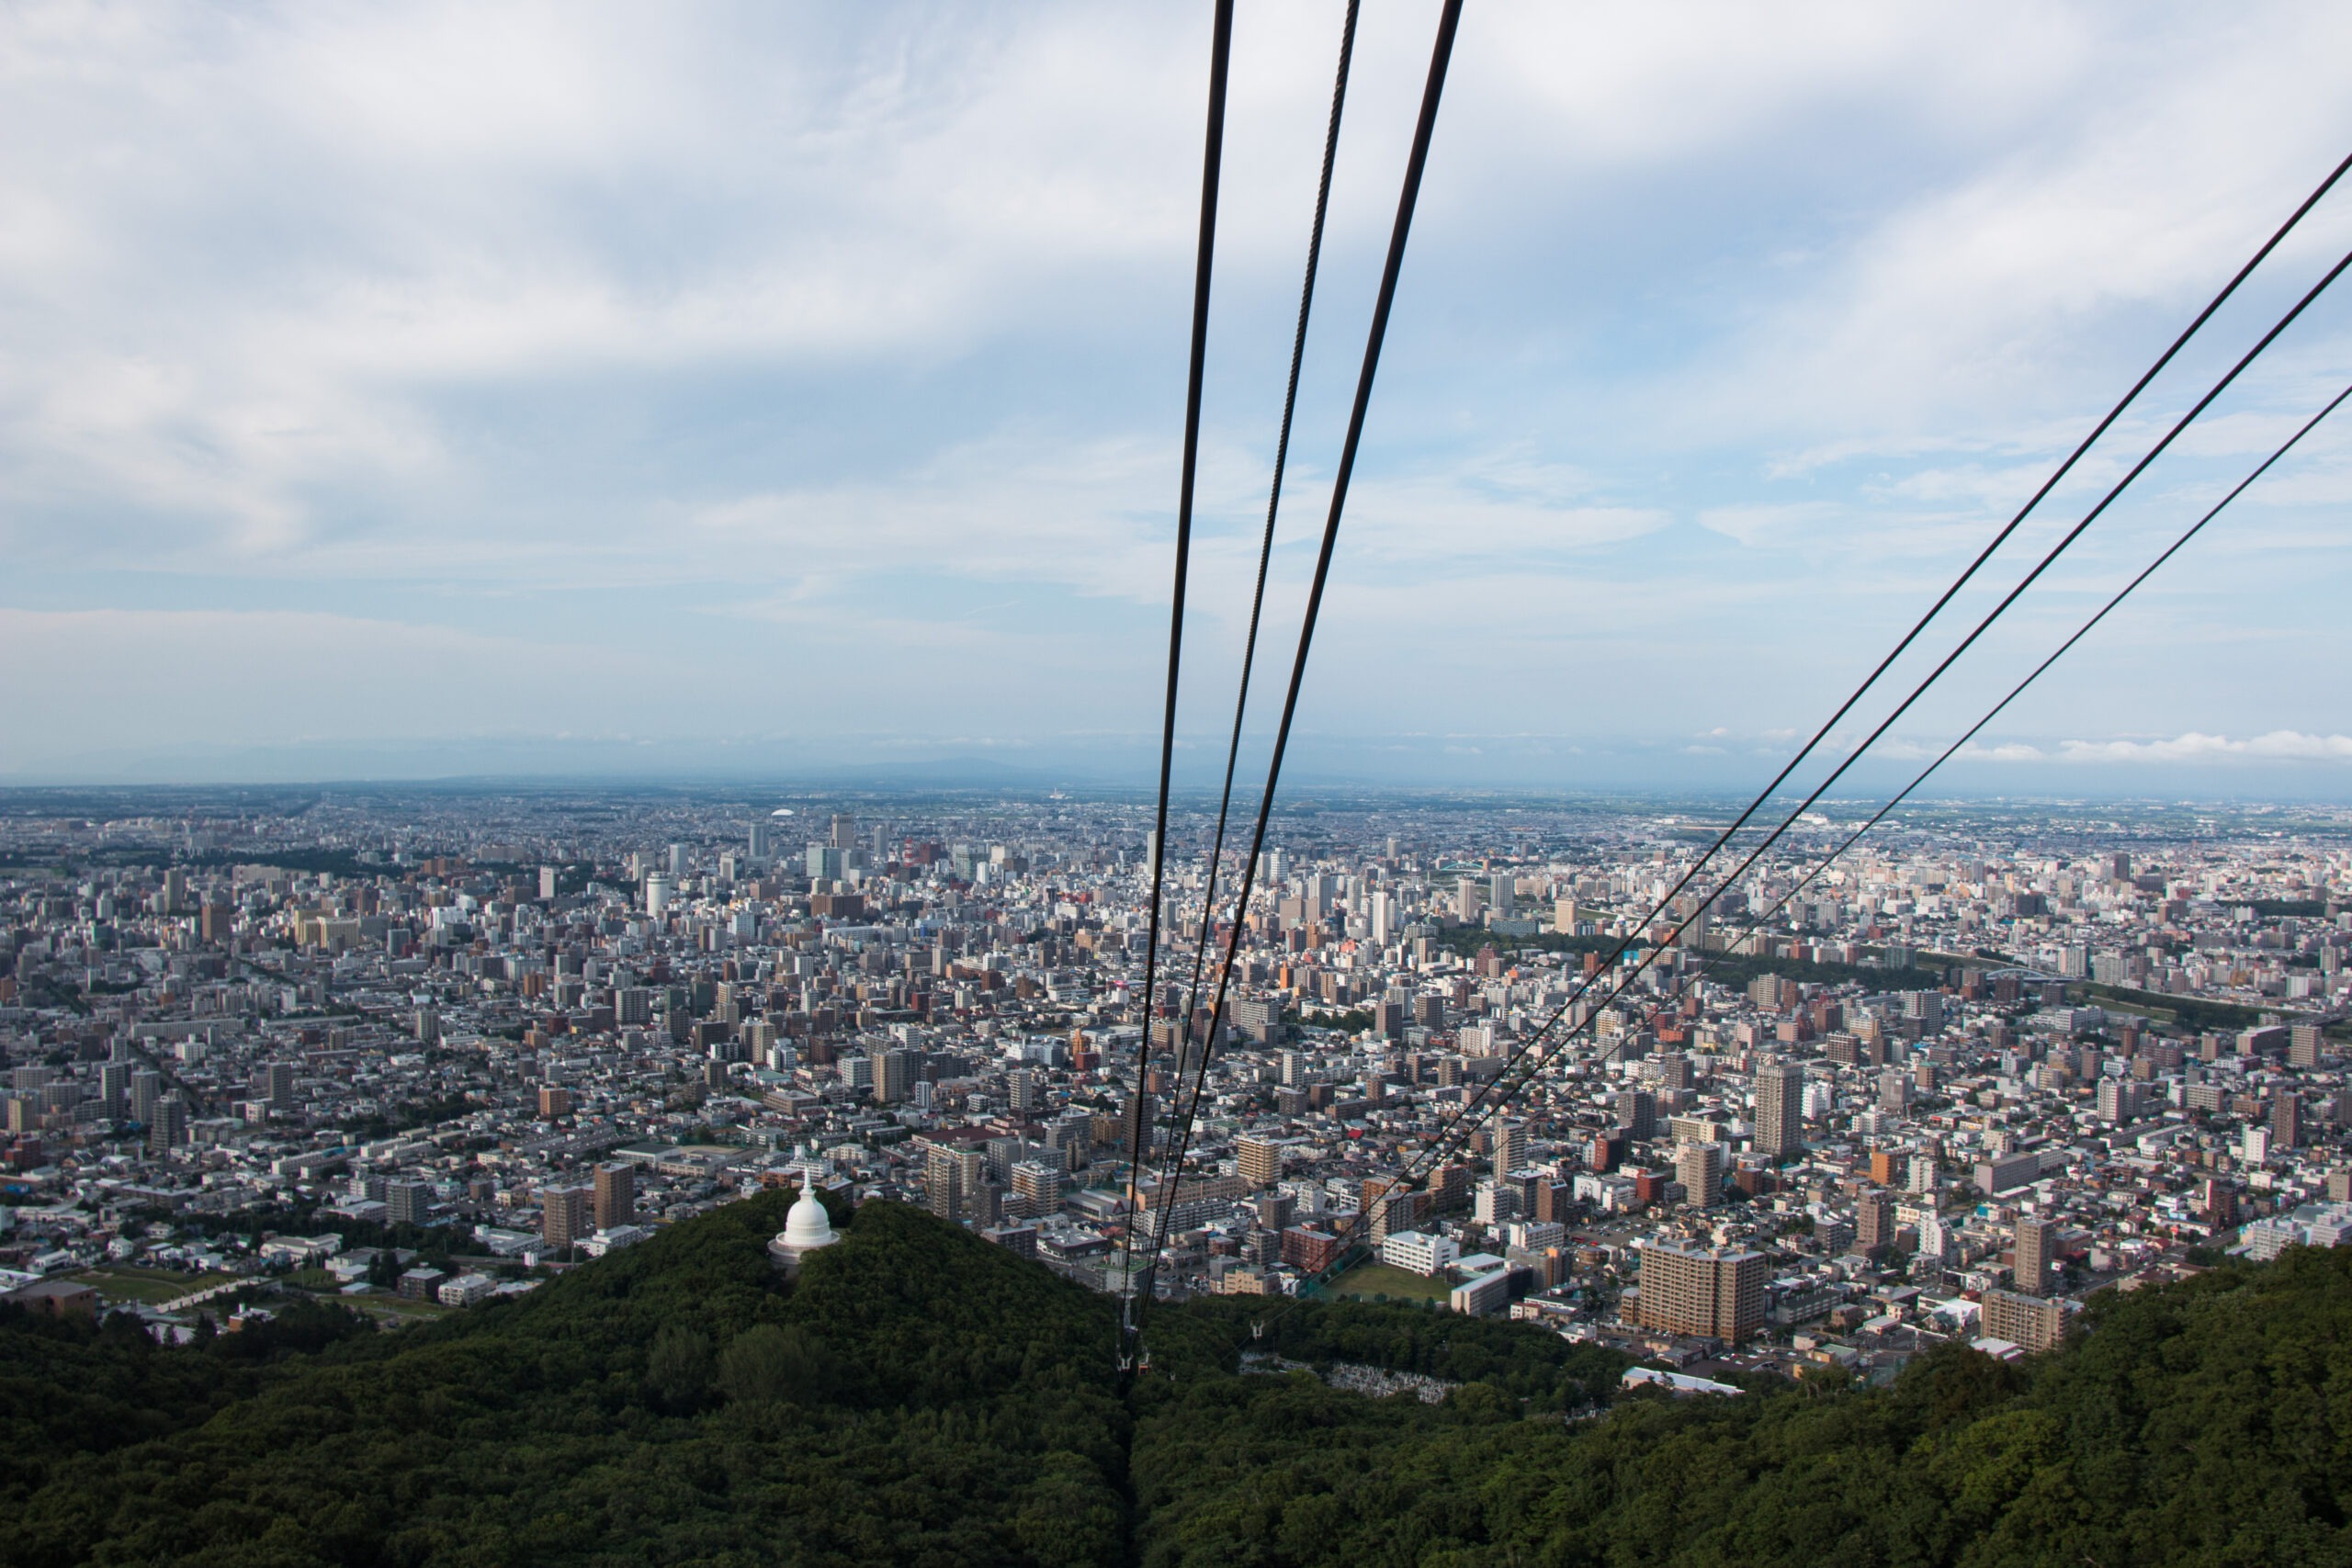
<point x="615" y="1196"/>
<point x="844" y="831"/>
<point x="167" y="1126"/>
<point x="1260" y="1161"/>
<point x="2035" y="1239"/>
<point x="1700" y="1168"/>
<point x="1637" y="1113"/>
<point x="564" y="1215"/>
<point x="146" y="1088"/>
<point x="1779" y="1109"/>
<point x="1874" y="1220"/>
<point x="1508" y="1145"/>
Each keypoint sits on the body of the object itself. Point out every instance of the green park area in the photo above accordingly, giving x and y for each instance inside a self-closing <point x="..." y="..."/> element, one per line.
<point x="1366" y="1281"/>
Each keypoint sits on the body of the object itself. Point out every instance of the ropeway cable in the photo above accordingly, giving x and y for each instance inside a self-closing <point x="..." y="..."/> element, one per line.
<point x="1761" y="922"/>
<point x="1451" y="1137"/>
<point x="2066" y="466"/>
<point x="2048" y="559"/>
<point x="1266" y="545"/>
<point x="1220" y="55"/>
<point x="1449" y="19"/>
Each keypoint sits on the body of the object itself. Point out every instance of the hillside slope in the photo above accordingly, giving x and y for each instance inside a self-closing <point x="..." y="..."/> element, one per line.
<point x="920" y="1397"/>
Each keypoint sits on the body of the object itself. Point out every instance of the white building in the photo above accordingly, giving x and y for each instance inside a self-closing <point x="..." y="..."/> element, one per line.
<point x="1419" y="1253"/>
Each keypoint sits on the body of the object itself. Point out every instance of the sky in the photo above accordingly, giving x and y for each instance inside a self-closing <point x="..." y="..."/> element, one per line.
<point x="428" y="391"/>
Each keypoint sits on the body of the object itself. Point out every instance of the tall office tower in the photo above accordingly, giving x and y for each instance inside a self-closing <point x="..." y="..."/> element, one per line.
<point x="827" y="862"/>
<point x="408" y="1202"/>
<point x="1467" y="897"/>
<point x="548" y="876"/>
<point x="175" y="891"/>
<point x="1384" y="917"/>
<point x="1260" y="1161"/>
<point x="761" y="840"/>
<point x="657" y="893"/>
<point x="2286" y="1120"/>
<point x="616" y="1195"/>
<point x="167" y="1128"/>
<point x="1711" y="1295"/>
<point x="677" y="859"/>
<point x="1564" y="916"/>
<point x="844" y="833"/>
<point x="1138" y="1118"/>
<point x="1637" y="1113"/>
<point x="1874" y="1220"/>
<point x="1321" y="891"/>
<point x="146" y="1088"/>
<point x="1778" y="1108"/>
<point x="1507" y="1142"/>
<point x="1700" y="1168"/>
<point x="2035" y="1240"/>
<point x="274" y="1082"/>
<point x="894" y="1076"/>
<point x="1502" y="894"/>
<point x="564" y="1215"/>
<point x="114" y="1088"/>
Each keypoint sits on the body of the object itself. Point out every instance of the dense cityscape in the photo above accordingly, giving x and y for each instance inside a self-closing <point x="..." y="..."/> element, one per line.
<point x="417" y="1049"/>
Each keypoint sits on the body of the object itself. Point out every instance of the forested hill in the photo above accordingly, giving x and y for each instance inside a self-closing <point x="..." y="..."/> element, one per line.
<point x="921" y="1397"/>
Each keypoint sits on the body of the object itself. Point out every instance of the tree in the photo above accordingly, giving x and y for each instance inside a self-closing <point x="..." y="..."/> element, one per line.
<point x="678" y="1370"/>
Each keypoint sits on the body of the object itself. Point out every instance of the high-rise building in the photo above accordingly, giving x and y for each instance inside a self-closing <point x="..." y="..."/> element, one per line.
<point x="2286" y="1120"/>
<point x="2035" y="1240"/>
<point x="1037" y="1187"/>
<point x="894" y="1076"/>
<point x="761" y="840"/>
<point x="146" y="1090"/>
<point x="274" y="1084"/>
<point x="677" y="859"/>
<point x="843" y="836"/>
<point x="168" y="1128"/>
<point x="1874" y="1220"/>
<point x="1637" y="1113"/>
<point x="1260" y="1161"/>
<point x="616" y="1195"/>
<point x="1506" y="1147"/>
<point x="1700" y="1168"/>
<point x="554" y="1100"/>
<point x="2032" y="1322"/>
<point x="658" y="892"/>
<point x="564" y="1215"/>
<point x="1714" y="1294"/>
<point x="953" y="1179"/>
<point x="1503" y="895"/>
<point x="408" y="1202"/>
<point x="114" y="1088"/>
<point x="1779" y="1109"/>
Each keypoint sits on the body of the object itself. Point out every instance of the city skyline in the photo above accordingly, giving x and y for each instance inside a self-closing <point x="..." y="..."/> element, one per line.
<point x="771" y="393"/>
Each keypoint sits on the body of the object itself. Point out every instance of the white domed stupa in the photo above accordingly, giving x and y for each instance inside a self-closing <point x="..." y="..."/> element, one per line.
<point x="805" y="1229"/>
